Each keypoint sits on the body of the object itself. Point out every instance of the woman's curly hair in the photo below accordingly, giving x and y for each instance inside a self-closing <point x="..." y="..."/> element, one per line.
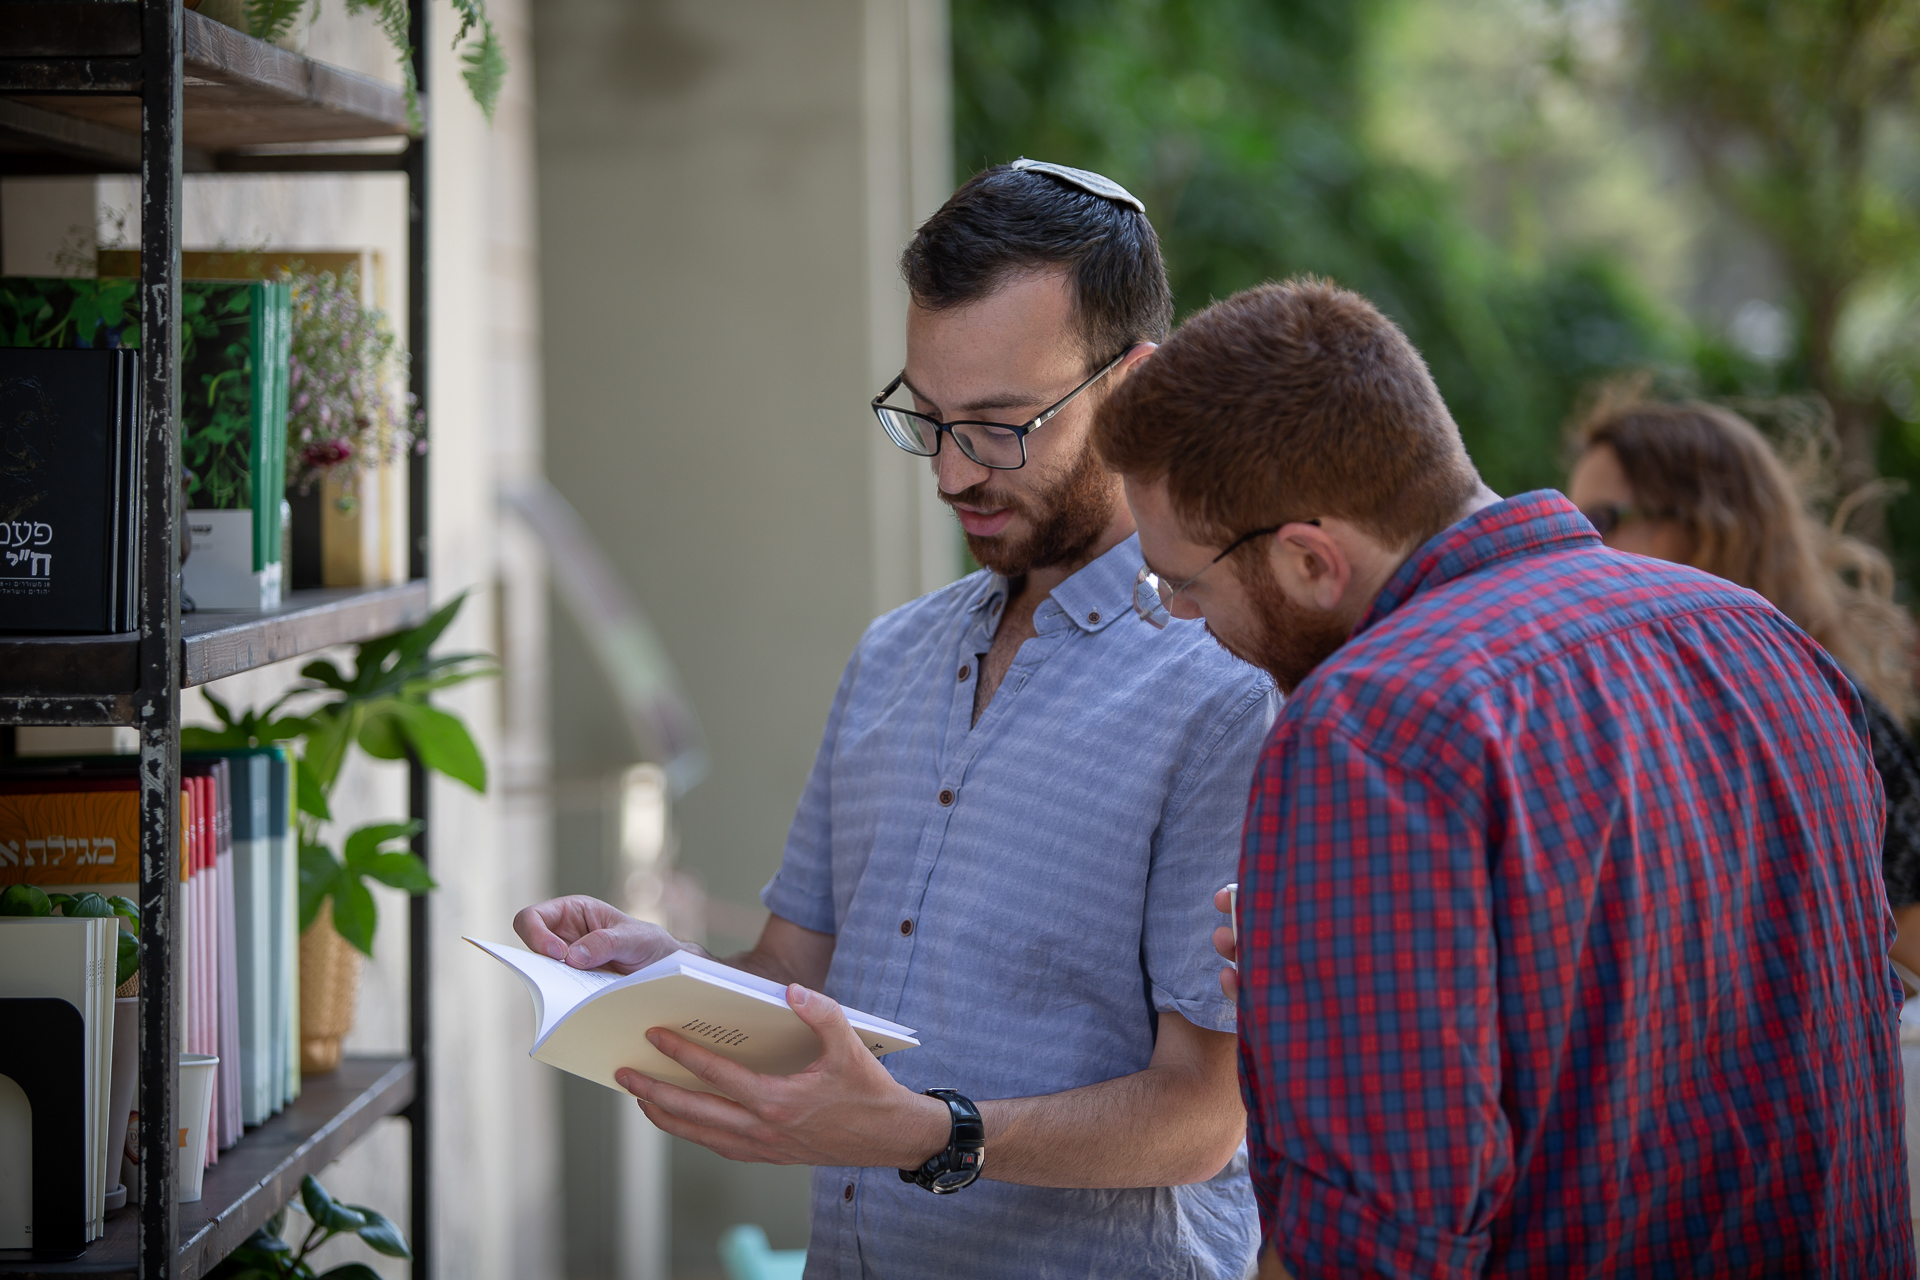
<point x="1748" y="519"/>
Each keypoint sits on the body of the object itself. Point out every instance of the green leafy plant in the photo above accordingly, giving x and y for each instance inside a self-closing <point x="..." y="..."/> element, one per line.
<point x="30" y="900"/>
<point x="215" y="361"/>
<point x="483" y="57"/>
<point x="345" y="406"/>
<point x="384" y="708"/>
<point x="266" y="1255"/>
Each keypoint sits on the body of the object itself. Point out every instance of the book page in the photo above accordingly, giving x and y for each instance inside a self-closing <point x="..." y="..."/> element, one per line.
<point x="557" y="989"/>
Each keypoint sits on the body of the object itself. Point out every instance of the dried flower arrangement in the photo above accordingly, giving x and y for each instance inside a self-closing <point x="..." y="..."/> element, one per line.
<point x="345" y="409"/>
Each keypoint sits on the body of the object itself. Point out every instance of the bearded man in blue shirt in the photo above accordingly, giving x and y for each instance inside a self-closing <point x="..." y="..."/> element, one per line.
<point x="1019" y="811"/>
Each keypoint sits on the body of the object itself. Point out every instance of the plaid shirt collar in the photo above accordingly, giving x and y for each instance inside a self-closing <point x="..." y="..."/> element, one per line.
<point x="1531" y="524"/>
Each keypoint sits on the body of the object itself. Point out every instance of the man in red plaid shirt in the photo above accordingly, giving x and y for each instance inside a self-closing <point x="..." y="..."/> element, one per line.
<point x="1562" y="941"/>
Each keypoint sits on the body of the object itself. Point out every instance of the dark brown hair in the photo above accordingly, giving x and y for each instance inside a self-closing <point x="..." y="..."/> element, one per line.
<point x="1290" y="402"/>
<point x="1005" y="221"/>
<point x="1746" y="520"/>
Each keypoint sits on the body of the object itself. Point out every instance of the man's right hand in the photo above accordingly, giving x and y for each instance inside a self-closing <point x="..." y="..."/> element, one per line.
<point x="590" y="934"/>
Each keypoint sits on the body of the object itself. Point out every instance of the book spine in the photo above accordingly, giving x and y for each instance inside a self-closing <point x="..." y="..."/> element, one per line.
<point x="260" y="402"/>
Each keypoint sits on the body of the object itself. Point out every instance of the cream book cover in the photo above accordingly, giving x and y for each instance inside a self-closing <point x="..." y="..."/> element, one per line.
<point x="593" y="1023"/>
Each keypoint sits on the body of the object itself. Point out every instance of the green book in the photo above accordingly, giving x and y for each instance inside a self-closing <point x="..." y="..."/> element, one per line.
<point x="236" y="342"/>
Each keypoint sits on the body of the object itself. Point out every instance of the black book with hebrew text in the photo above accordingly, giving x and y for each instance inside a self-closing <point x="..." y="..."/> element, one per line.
<point x="69" y="489"/>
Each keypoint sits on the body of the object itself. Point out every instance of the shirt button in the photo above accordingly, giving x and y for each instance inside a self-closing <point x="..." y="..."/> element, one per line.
<point x="946" y="796"/>
<point x="1094" y="616"/>
<point x="848" y="1193"/>
<point x="965" y="672"/>
<point x="906" y="928"/>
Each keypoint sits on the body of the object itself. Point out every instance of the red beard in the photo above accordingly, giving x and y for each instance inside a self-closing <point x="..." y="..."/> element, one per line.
<point x="1289" y="641"/>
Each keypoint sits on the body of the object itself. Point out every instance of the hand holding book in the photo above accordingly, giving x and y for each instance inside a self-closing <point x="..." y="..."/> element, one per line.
<point x="586" y="933"/>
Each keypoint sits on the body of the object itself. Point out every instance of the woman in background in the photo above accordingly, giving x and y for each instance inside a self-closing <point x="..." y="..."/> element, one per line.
<point x="1698" y="485"/>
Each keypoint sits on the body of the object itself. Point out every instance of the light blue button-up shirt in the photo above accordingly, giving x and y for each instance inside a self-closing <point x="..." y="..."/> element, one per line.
<point x="1030" y="893"/>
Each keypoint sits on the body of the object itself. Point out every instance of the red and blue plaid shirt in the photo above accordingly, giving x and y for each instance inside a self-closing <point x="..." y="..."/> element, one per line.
<point x="1563" y="939"/>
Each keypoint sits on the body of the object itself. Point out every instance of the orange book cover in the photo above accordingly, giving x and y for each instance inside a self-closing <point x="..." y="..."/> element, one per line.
<point x="72" y="833"/>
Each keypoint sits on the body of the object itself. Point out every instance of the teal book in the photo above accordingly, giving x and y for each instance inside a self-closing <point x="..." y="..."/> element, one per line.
<point x="236" y="346"/>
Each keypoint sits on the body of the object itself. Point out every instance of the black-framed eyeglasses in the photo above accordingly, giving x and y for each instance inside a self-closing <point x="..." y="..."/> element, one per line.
<point x="1153" y="594"/>
<point x="998" y="446"/>
<point x="1609" y="516"/>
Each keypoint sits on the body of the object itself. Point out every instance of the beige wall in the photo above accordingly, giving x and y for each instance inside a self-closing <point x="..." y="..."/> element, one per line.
<point x="723" y="190"/>
<point x="496" y="1184"/>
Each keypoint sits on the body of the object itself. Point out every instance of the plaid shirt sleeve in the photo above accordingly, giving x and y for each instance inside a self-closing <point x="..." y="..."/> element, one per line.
<point x="1368" y="1016"/>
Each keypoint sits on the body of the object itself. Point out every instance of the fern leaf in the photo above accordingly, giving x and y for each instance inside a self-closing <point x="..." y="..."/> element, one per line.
<point x="472" y="13"/>
<point x="272" y="19"/>
<point x="486" y="64"/>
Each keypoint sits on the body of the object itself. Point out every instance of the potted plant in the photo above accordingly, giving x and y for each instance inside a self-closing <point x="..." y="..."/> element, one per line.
<point x="383" y="708"/>
<point x="266" y="1255"/>
<point x="347" y="420"/>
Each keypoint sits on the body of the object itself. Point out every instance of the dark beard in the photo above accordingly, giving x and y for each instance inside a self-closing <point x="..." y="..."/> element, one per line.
<point x="1289" y="640"/>
<point x="1067" y="516"/>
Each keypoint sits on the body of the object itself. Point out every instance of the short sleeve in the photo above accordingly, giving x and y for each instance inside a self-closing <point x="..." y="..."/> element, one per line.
<point x="802" y="889"/>
<point x="1370" y="1052"/>
<point x="1195" y="852"/>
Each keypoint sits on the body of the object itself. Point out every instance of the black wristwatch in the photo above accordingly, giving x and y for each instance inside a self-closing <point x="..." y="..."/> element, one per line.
<point x="966" y="1152"/>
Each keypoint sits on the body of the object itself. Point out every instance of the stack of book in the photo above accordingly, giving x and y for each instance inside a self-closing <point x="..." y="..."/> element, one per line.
<point x="236" y="343"/>
<point x="70" y="960"/>
<point x="72" y="825"/>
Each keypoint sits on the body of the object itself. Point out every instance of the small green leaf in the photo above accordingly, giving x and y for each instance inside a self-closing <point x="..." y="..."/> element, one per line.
<point x="24" y="900"/>
<point x="320" y="876"/>
<point x="314" y="1198"/>
<point x="326" y="673"/>
<point x="354" y="915"/>
<point x="400" y="871"/>
<point x="415" y="641"/>
<point x="311" y="798"/>
<point x="59" y="901"/>
<point x="87" y="906"/>
<point x="381" y="1233"/>
<point x="442" y="743"/>
<point x="380" y="735"/>
<point x="127" y="909"/>
<point x="365" y="842"/>
<point x="126" y="960"/>
<point x="325" y="1210"/>
<point x="350" y="1271"/>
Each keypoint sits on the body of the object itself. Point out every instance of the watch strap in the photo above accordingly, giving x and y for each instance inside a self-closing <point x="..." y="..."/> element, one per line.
<point x="965" y="1154"/>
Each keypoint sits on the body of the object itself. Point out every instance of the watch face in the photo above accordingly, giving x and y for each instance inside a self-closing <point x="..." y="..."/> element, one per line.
<point x="955" y="1180"/>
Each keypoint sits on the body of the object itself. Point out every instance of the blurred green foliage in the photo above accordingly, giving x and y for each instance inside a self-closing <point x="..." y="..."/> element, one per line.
<point x="1801" y="119"/>
<point x="1242" y="125"/>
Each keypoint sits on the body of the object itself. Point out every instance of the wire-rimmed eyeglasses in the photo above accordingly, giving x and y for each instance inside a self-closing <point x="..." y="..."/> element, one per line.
<point x="1152" y="594"/>
<point x="998" y="446"/>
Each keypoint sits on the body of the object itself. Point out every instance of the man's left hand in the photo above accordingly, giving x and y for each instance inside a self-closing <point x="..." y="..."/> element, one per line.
<point x="843" y="1109"/>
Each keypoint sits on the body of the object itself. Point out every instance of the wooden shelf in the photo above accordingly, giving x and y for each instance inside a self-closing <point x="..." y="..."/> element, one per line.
<point x="38" y="672"/>
<point x="256" y="1178"/>
<point x="69" y="70"/>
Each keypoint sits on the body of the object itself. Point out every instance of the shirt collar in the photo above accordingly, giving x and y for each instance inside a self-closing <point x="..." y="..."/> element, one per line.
<point x="1529" y="524"/>
<point x="1096" y="593"/>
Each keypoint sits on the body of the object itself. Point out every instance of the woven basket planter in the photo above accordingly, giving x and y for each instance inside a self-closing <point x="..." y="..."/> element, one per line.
<point x="329" y="991"/>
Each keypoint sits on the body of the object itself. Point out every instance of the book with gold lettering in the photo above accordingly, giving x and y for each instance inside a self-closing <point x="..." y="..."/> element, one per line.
<point x="592" y="1022"/>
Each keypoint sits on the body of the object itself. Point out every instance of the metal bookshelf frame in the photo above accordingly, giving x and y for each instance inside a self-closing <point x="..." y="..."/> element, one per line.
<point x="71" y="72"/>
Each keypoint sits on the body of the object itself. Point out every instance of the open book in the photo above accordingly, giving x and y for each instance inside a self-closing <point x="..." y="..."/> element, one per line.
<point x="593" y="1023"/>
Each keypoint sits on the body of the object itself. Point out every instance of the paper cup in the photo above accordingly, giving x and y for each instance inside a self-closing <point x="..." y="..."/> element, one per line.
<point x="196" y="1113"/>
